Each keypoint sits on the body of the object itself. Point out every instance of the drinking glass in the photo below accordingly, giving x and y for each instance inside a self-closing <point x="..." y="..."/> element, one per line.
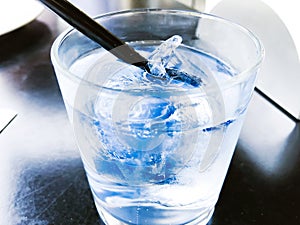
<point x="156" y="150"/>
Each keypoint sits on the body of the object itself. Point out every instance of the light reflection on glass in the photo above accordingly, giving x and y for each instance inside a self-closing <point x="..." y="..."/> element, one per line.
<point x="267" y="137"/>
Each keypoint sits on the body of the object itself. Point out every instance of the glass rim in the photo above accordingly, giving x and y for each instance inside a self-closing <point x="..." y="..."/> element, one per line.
<point x="234" y="80"/>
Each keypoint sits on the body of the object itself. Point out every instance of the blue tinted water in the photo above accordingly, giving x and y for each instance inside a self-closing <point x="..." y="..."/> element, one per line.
<point x="154" y="156"/>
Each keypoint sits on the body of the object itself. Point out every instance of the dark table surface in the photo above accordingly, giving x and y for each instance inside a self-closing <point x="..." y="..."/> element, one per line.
<point x="41" y="175"/>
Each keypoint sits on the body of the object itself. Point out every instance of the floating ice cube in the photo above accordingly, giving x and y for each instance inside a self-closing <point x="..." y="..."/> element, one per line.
<point x="160" y="58"/>
<point x="143" y="123"/>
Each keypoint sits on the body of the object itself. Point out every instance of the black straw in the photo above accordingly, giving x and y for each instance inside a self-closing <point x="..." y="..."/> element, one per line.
<point x="90" y="28"/>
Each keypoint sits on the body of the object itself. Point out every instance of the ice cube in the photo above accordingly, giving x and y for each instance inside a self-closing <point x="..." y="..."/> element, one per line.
<point x="160" y="58"/>
<point x="144" y="122"/>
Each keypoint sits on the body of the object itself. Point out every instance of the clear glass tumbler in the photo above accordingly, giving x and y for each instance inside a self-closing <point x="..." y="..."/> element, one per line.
<point x="156" y="150"/>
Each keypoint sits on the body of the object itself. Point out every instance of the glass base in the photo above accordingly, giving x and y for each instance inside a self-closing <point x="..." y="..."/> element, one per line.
<point x="203" y="219"/>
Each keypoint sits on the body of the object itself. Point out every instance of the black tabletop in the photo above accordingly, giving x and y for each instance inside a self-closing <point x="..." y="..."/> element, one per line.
<point x="41" y="174"/>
